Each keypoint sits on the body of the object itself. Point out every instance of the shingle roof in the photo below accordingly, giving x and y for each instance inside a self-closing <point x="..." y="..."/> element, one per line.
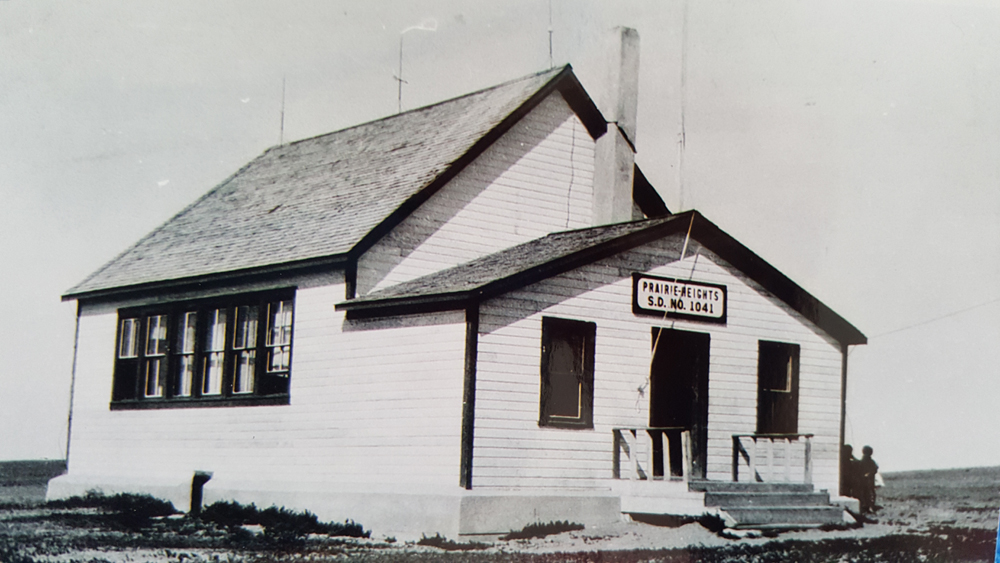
<point x="477" y="274"/>
<point x="321" y="197"/>
<point x="512" y="268"/>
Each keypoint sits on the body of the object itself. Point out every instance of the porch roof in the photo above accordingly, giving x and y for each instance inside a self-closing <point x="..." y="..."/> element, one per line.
<point x="474" y="281"/>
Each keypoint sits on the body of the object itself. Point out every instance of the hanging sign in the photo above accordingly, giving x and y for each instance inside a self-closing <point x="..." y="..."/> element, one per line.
<point x="678" y="299"/>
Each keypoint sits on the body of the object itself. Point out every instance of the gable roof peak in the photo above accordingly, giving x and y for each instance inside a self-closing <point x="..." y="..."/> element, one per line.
<point x="556" y="253"/>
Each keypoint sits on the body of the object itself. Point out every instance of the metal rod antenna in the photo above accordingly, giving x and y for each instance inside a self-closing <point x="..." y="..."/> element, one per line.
<point x="399" y="77"/>
<point x="551" y="64"/>
<point x="682" y="141"/>
<point x="427" y="24"/>
<point x="281" y="131"/>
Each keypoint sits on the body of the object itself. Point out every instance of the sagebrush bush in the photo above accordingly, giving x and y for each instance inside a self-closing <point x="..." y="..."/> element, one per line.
<point x="281" y="525"/>
<point x="123" y="510"/>
<point x="441" y="542"/>
<point x="540" y="530"/>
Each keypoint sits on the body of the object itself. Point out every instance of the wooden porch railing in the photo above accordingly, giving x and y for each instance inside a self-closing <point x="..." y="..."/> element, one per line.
<point x="756" y="448"/>
<point x="638" y="445"/>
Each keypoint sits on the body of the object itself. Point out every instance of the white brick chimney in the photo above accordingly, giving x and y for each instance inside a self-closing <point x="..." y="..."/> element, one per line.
<point x="615" y="156"/>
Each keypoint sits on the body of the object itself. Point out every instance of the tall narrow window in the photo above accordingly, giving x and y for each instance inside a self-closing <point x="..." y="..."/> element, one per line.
<point x="245" y="349"/>
<point x="777" y="388"/>
<point x="128" y="345"/>
<point x="279" y="346"/>
<point x="156" y="355"/>
<point x="567" y="373"/>
<point x="215" y="353"/>
<point x="127" y="359"/>
<point x="187" y="326"/>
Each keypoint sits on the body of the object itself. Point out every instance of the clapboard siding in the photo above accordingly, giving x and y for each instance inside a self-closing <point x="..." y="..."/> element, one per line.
<point x="371" y="403"/>
<point x="511" y="450"/>
<point x="536" y="179"/>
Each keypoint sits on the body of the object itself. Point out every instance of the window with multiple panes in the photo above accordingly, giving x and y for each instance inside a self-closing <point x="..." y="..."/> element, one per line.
<point x="567" y="382"/>
<point x="233" y="350"/>
<point x="777" y="388"/>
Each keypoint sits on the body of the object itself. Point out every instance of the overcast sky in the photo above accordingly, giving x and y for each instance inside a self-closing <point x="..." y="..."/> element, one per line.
<point x="853" y="145"/>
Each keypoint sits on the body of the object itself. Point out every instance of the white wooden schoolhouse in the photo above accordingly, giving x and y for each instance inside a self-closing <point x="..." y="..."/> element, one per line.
<point x="462" y="319"/>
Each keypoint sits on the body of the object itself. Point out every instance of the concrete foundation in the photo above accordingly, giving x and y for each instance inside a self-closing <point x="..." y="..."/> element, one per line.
<point x="404" y="512"/>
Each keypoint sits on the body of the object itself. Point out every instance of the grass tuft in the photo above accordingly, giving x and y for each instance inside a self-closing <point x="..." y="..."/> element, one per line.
<point x="539" y="530"/>
<point x="440" y="542"/>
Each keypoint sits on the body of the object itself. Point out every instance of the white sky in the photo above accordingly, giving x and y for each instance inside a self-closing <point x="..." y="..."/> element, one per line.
<point x="854" y="145"/>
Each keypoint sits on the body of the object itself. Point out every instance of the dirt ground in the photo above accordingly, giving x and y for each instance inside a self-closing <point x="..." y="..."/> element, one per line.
<point x="926" y="516"/>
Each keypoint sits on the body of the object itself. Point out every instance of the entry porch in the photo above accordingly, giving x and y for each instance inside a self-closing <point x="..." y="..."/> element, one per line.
<point x="771" y="485"/>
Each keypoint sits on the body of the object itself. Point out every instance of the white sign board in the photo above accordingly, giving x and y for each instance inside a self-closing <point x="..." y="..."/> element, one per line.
<point x="673" y="298"/>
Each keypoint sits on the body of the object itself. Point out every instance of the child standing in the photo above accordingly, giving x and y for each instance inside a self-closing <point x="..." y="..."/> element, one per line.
<point x="867" y="468"/>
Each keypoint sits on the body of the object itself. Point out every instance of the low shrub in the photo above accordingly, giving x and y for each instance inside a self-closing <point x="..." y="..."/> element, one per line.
<point x="122" y="510"/>
<point x="539" y="530"/>
<point x="281" y="525"/>
<point x="440" y="542"/>
<point x="229" y="514"/>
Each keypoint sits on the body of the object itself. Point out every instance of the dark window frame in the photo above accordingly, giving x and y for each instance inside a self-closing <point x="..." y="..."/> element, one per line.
<point x="553" y="327"/>
<point x="129" y="384"/>
<point x="778" y="396"/>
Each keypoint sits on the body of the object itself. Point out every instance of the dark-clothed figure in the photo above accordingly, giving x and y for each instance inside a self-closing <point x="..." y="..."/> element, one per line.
<point x="848" y="472"/>
<point x="867" y="468"/>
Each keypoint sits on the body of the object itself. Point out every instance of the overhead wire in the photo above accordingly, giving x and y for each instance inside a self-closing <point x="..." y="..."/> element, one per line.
<point x="659" y="333"/>
<point x="935" y="319"/>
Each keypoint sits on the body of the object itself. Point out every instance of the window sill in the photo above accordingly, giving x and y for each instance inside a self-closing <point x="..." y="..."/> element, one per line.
<point x="561" y="425"/>
<point x="271" y="400"/>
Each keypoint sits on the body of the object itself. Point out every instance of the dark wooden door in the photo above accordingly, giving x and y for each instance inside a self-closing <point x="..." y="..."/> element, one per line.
<point x="678" y="395"/>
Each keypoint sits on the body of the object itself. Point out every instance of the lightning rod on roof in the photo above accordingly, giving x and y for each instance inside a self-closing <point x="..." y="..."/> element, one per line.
<point x="682" y="136"/>
<point x="551" y="65"/>
<point x="426" y="24"/>
<point x="281" y="130"/>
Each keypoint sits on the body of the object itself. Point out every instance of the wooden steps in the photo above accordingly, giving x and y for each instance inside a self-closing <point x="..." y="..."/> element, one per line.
<point x="770" y="505"/>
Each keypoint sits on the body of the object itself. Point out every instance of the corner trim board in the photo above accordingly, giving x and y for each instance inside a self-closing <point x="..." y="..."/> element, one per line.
<point x="469" y="394"/>
<point x="843" y="401"/>
<point x="72" y="384"/>
<point x="351" y="278"/>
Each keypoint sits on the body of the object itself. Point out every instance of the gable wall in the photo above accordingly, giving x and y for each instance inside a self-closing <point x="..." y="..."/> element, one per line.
<point x="536" y="179"/>
<point x="353" y="416"/>
<point x="511" y="450"/>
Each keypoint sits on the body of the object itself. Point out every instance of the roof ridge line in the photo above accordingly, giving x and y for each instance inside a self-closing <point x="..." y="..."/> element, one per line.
<point x="564" y="68"/>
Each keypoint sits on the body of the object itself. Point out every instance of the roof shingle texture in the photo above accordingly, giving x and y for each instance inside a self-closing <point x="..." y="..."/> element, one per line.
<point x="317" y="197"/>
<point x="478" y="273"/>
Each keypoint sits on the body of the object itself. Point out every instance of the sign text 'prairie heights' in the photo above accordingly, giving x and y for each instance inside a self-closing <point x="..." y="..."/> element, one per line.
<point x="673" y="298"/>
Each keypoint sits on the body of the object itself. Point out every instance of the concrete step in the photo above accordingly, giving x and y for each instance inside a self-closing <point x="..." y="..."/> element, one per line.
<point x="785" y="516"/>
<point x="746" y="487"/>
<point x="759" y="499"/>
